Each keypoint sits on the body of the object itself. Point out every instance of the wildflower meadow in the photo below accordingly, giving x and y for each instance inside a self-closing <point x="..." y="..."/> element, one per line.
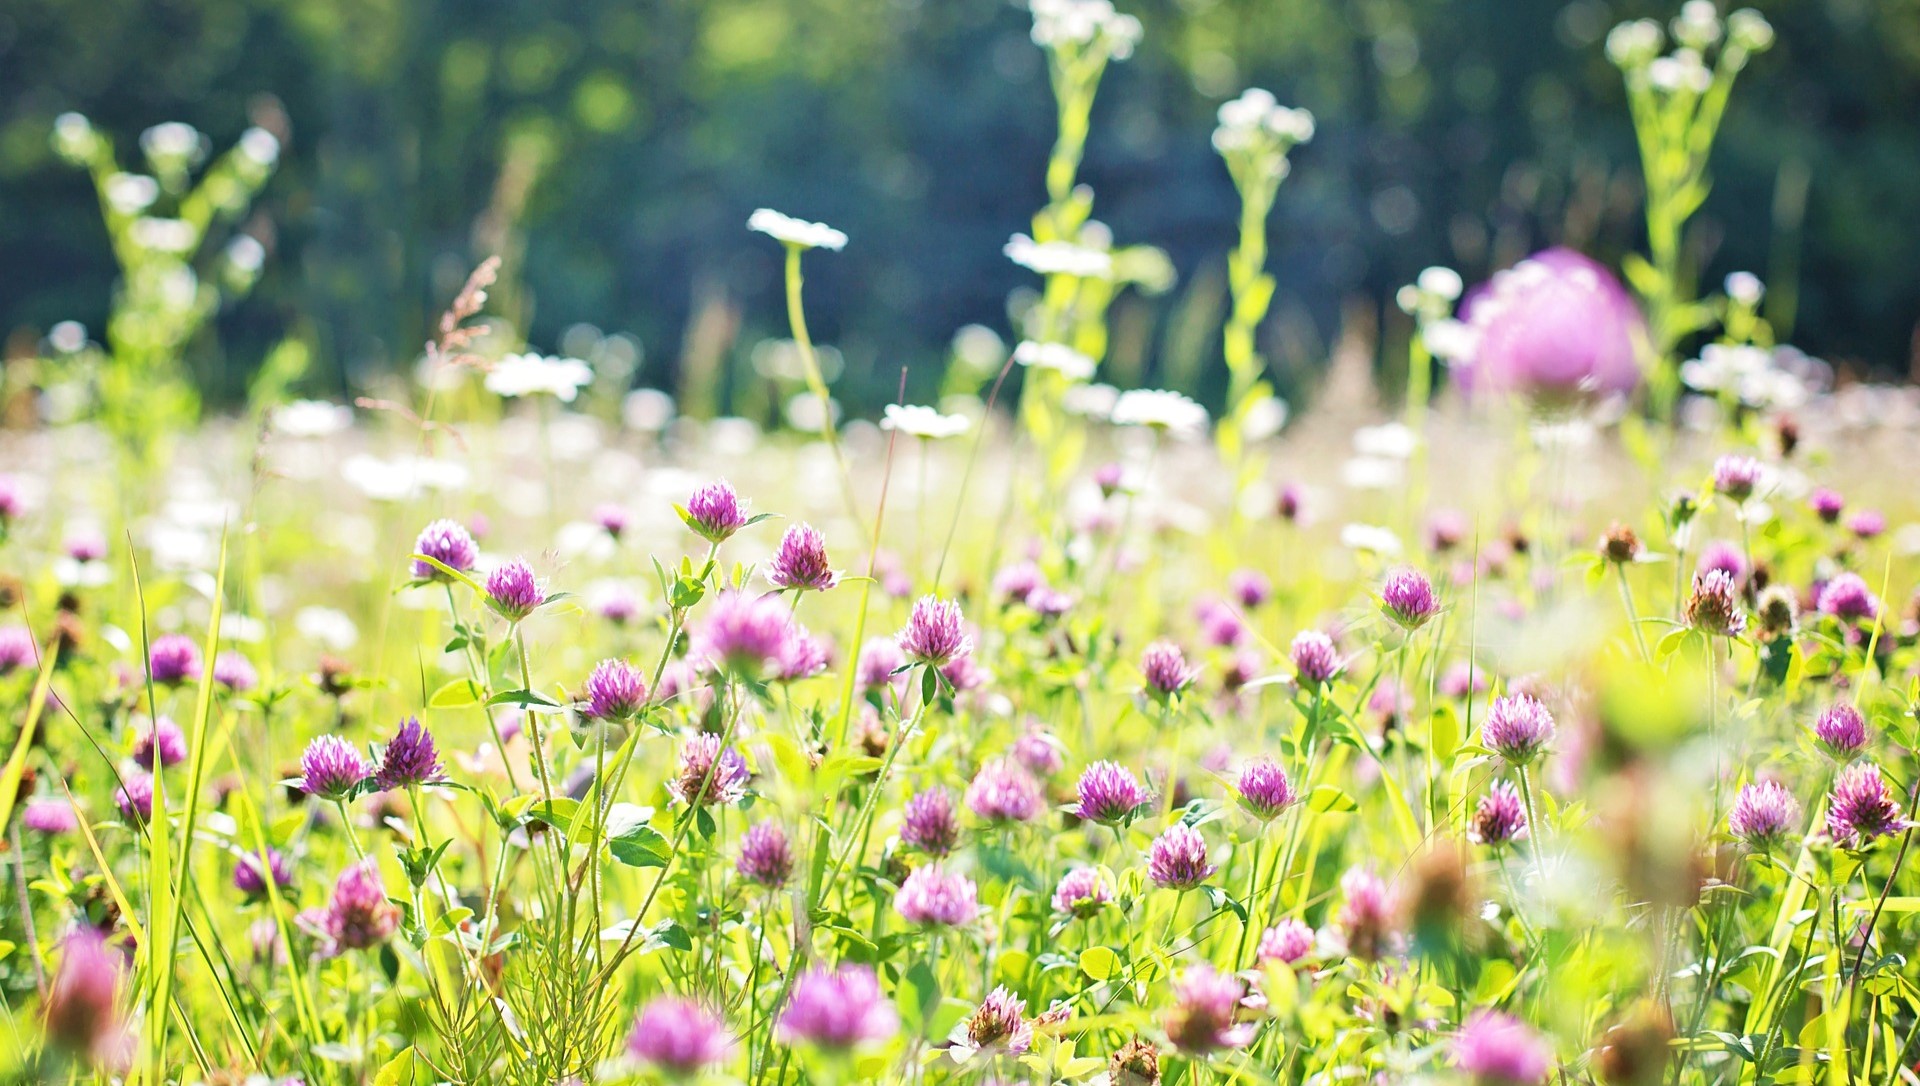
<point x="1551" y="720"/>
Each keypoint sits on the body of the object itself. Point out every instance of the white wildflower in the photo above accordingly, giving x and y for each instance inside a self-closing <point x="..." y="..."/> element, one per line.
<point x="792" y="231"/>
<point x="1058" y="357"/>
<point x="924" y="422"/>
<point x="1160" y="409"/>
<point x="311" y="418"/>
<point x="529" y="374"/>
<point x="1059" y="258"/>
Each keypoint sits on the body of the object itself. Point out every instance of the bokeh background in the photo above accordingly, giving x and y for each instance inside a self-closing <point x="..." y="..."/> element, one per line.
<point x="611" y="151"/>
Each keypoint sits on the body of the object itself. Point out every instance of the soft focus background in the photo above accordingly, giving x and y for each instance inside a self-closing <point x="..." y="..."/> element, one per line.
<point x="611" y="150"/>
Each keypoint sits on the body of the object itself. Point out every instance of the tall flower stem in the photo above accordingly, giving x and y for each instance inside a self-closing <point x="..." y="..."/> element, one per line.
<point x="816" y="384"/>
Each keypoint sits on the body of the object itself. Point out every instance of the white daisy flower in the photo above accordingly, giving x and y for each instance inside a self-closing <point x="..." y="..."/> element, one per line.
<point x="1370" y="538"/>
<point x="792" y="231"/>
<point x="311" y="418"/>
<point x="924" y="422"/>
<point x="1059" y="258"/>
<point x="334" y="629"/>
<point x="1160" y="409"/>
<point x="1058" y="357"/>
<point x="528" y="374"/>
<point x="1390" y="440"/>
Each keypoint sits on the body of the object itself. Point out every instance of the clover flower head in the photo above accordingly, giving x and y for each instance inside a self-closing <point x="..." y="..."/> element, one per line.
<point x="1862" y="807"/>
<point x="709" y="775"/>
<point x="1713" y="607"/>
<point x="514" y="591"/>
<point x="615" y="690"/>
<point x="1500" y="818"/>
<point x="331" y="768"/>
<point x="1109" y="793"/>
<point x="678" y="1037"/>
<point x="933" y="897"/>
<point x="1081" y="892"/>
<point x="173" y="659"/>
<point x="800" y="562"/>
<point x="410" y="760"/>
<point x="1003" y="791"/>
<point x="935" y="632"/>
<point x="1408" y="598"/>
<point x="447" y="542"/>
<point x="1764" y="816"/>
<point x="1289" y="941"/>
<point x="1840" y="730"/>
<point x="1847" y="598"/>
<point x="715" y="512"/>
<point x="1499" y="1050"/>
<point x="160" y="742"/>
<point x="1518" y="728"/>
<point x="1264" y="789"/>
<point x="838" y="1009"/>
<point x="1205" y="1004"/>
<point x="765" y="855"/>
<point x="1177" y="859"/>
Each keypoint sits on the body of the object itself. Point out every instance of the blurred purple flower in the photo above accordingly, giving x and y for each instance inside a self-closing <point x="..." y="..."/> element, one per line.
<point x="1555" y="324"/>
<point x="1764" y="816"/>
<point x="173" y="658"/>
<point x="1205" y="1003"/>
<point x="1081" y="892"/>
<point x="928" y="823"/>
<point x="1004" y="792"/>
<point x="162" y="737"/>
<point x="1500" y="818"/>
<point x="678" y="1037"/>
<point x="1499" y="1050"/>
<point x="765" y="856"/>
<point x="933" y="897"/>
<point x="837" y="1009"/>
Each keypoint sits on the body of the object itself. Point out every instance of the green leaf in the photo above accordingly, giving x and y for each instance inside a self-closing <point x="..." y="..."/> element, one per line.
<point x="458" y="693"/>
<point x="1099" y="962"/>
<point x="1326" y="797"/>
<point x="398" y="1071"/>
<point x="524" y="699"/>
<point x="632" y="840"/>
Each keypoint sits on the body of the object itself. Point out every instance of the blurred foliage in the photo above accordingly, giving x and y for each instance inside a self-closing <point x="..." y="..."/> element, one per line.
<point x="611" y="151"/>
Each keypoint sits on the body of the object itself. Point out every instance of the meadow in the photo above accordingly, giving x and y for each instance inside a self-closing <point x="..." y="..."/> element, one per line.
<point x="1554" y="723"/>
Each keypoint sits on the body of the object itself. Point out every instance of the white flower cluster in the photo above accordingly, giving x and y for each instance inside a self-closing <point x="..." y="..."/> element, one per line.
<point x="792" y="231"/>
<point x="1160" y="409"/>
<point x="1081" y="23"/>
<point x="1761" y="378"/>
<point x="920" y="421"/>
<point x="529" y="374"/>
<point x="1058" y="357"/>
<point x="1256" y="119"/>
<point x="1059" y="258"/>
<point x="1636" y="45"/>
<point x="173" y="143"/>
